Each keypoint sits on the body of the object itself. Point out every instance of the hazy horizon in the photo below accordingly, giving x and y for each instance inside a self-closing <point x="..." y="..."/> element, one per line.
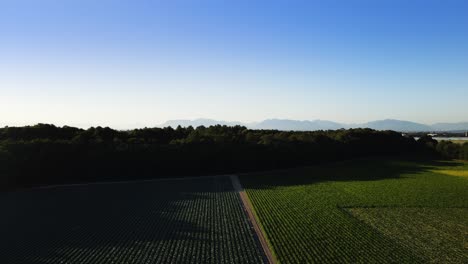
<point x="141" y="63"/>
<point x="250" y="124"/>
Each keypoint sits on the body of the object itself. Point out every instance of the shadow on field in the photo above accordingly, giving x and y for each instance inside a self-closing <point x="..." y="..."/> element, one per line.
<point x="111" y="222"/>
<point x="350" y="170"/>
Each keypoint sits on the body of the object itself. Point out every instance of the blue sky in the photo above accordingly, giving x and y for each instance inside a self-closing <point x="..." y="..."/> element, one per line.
<point x="140" y="63"/>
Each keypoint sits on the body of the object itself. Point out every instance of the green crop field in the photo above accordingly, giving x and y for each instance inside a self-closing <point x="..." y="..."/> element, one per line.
<point x="365" y="211"/>
<point x="459" y="141"/>
<point x="176" y="221"/>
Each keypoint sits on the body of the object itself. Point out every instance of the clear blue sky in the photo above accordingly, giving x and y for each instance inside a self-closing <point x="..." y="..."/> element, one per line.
<point x="139" y="63"/>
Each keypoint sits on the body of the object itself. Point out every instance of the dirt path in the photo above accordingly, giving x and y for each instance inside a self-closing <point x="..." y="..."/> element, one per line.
<point x="250" y="213"/>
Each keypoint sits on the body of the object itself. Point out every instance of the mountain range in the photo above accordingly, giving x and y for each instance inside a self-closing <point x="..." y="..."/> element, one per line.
<point x="307" y="125"/>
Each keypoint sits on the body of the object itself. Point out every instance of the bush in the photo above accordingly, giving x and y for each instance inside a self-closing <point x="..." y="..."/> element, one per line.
<point x="449" y="149"/>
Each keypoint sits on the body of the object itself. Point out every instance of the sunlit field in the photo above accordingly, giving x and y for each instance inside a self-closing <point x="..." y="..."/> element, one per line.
<point x="370" y="211"/>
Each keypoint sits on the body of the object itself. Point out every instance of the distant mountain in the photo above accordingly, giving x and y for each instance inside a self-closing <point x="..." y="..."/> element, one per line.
<point x="407" y="126"/>
<point x="197" y="123"/>
<point x="279" y="124"/>
<point x="397" y="125"/>
<point x="286" y="124"/>
<point x="306" y="125"/>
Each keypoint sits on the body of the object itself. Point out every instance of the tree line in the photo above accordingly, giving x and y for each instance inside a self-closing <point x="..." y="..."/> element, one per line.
<point x="451" y="150"/>
<point x="47" y="154"/>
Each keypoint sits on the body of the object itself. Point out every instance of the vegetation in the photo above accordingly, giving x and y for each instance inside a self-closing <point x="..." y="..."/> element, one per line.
<point x="459" y="141"/>
<point x="348" y="208"/>
<point x="172" y="221"/>
<point x="46" y="154"/>
<point x="437" y="234"/>
<point x="453" y="150"/>
<point x="364" y="211"/>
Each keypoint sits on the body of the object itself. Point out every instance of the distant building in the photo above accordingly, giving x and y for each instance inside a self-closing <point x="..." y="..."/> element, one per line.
<point x="432" y="134"/>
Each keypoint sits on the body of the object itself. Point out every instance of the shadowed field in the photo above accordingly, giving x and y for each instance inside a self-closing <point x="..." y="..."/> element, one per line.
<point x="174" y="221"/>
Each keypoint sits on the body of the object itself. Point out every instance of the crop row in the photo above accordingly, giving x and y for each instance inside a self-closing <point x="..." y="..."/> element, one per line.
<point x="301" y="210"/>
<point x="185" y="221"/>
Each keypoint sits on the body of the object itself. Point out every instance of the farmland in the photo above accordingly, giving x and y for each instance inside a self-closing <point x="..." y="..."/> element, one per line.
<point x="364" y="211"/>
<point x="356" y="211"/>
<point x="169" y="221"/>
<point x="459" y="141"/>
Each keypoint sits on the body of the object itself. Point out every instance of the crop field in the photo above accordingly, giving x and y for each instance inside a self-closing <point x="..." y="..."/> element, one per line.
<point x="174" y="221"/>
<point x="459" y="141"/>
<point x="435" y="233"/>
<point x="365" y="211"/>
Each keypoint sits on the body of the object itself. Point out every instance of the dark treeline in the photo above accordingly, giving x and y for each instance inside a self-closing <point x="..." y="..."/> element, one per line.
<point x="451" y="150"/>
<point x="46" y="154"/>
<point x="445" y="148"/>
